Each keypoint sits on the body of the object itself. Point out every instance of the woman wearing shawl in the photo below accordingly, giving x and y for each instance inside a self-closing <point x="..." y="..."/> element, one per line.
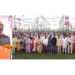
<point x="39" y="45"/>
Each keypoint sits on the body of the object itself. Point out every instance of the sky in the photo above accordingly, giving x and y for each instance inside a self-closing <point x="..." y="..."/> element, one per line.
<point x="34" y="8"/>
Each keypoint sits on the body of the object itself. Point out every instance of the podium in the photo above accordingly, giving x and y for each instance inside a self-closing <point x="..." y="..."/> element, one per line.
<point x="5" y="52"/>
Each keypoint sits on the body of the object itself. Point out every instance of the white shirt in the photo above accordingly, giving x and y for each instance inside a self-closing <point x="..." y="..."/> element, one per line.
<point x="45" y="41"/>
<point x="42" y="37"/>
<point x="64" y="42"/>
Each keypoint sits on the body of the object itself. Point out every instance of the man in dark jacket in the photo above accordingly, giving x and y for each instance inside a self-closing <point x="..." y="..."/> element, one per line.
<point x="49" y="44"/>
<point x="53" y="44"/>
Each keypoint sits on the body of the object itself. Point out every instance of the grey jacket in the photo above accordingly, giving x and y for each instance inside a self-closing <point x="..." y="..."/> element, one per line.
<point x="4" y="40"/>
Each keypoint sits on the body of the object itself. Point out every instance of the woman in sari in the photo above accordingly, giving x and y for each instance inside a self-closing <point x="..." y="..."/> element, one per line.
<point x="18" y="44"/>
<point x="39" y="45"/>
<point x="13" y="43"/>
<point x="33" y="45"/>
<point x="28" y="45"/>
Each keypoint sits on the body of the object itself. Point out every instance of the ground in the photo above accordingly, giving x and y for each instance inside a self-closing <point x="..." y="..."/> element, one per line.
<point x="42" y="56"/>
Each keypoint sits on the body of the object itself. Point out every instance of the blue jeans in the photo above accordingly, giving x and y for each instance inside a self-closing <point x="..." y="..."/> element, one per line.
<point x="53" y="49"/>
<point x="49" y="49"/>
<point x="45" y="49"/>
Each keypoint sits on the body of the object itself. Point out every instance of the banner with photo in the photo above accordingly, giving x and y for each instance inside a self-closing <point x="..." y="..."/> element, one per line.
<point x="6" y="30"/>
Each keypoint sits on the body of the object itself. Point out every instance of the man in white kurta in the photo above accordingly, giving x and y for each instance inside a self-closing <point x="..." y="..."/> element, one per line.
<point x="69" y="44"/>
<point x="45" y="43"/>
<point x="64" y="44"/>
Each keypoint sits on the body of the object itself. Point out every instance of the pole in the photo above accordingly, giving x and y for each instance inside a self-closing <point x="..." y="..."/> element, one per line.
<point x="71" y="41"/>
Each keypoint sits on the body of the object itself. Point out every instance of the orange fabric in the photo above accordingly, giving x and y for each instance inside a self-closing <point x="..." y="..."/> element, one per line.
<point x="5" y="52"/>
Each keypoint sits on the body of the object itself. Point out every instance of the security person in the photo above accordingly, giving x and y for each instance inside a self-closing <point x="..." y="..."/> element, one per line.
<point x="4" y="39"/>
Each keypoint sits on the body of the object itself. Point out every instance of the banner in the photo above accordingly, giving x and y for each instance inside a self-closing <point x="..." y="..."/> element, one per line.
<point x="5" y="30"/>
<point x="66" y="20"/>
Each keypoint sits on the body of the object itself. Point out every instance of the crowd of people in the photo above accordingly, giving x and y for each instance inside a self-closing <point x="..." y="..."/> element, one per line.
<point x="51" y="42"/>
